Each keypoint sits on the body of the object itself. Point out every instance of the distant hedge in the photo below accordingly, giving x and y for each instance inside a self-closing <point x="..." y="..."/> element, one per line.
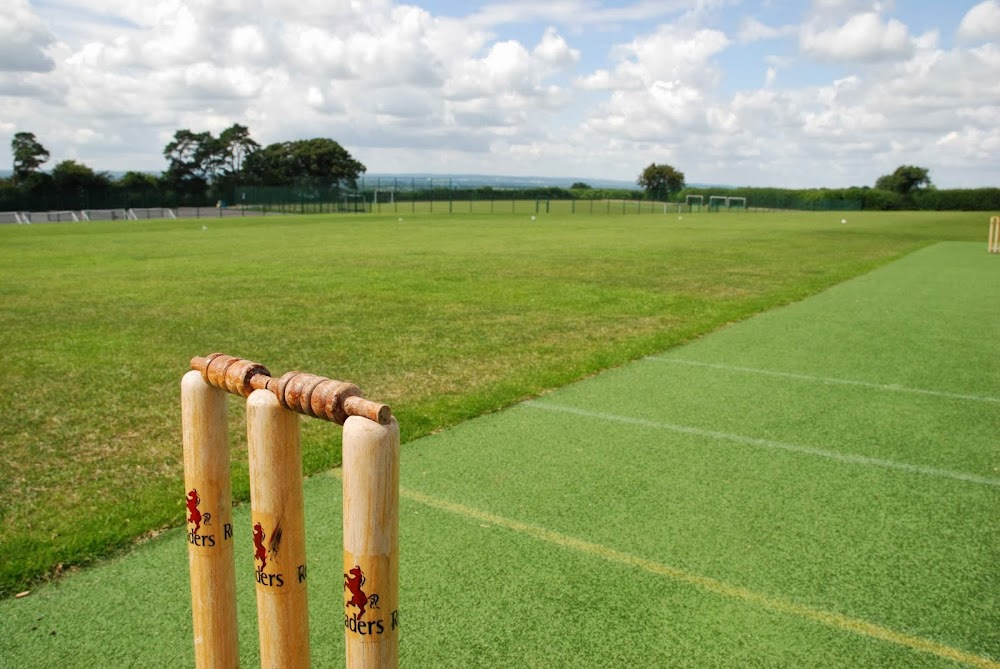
<point x="119" y="193"/>
<point x="848" y="199"/>
<point x="973" y="199"/>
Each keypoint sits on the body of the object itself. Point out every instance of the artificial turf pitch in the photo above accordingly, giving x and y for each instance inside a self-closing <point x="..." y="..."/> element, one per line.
<point x="817" y="486"/>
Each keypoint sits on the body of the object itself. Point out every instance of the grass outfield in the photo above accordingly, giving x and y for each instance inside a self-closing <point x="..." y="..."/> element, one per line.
<point x="813" y="487"/>
<point x="444" y="317"/>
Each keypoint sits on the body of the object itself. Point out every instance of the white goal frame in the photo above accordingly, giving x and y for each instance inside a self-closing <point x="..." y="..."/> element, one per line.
<point x="54" y="216"/>
<point x="118" y="214"/>
<point x="391" y="190"/>
<point x="146" y="213"/>
<point x="18" y="217"/>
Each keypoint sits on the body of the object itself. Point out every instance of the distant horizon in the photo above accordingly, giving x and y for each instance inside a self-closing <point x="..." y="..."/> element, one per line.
<point x="597" y="182"/>
<point x="801" y="93"/>
<point x="515" y="181"/>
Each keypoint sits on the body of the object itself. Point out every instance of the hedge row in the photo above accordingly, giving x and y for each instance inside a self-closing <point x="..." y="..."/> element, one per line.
<point x="847" y="199"/>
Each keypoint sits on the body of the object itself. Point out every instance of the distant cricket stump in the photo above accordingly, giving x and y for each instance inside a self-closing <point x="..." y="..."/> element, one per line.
<point x="371" y="513"/>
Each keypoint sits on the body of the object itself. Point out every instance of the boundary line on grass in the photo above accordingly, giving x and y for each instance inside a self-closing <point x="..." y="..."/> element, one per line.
<point x="767" y="443"/>
<point x="785" y="606"/>
<point x="827" y="379"/>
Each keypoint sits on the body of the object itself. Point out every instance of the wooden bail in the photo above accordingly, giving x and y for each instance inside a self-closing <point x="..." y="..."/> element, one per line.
<point x="371" y="543"/>
<point x="209" y="513"/>
<point x="308" y="394"/>
<point x="277" y="519"/>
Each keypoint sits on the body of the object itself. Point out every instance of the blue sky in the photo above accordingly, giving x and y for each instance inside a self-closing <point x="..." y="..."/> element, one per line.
<point x="793" y="93"/>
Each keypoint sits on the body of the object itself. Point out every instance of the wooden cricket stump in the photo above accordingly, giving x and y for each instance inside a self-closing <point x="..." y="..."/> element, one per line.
<point x="277" y="517"/>
<point x="371" y="513"/>
<point x="993" y="244"/>
<point x="209" y="504"/>
<point x="371" y="543"/>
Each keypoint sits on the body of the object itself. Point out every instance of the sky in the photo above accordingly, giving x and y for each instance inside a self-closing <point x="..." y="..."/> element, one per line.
<point x="785" y="93"/>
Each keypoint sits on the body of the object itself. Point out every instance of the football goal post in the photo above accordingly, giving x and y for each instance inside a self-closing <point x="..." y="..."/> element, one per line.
<point x="691" y="200"/>
<point x="717" y="201"/>
<point x="353" y="203"/>
<point x="384" y="195"/>
<point x="736" y="203"/>
<point x="137" y="213"/>
<point x="104" y="215"/>
<point x="12" y="217"/>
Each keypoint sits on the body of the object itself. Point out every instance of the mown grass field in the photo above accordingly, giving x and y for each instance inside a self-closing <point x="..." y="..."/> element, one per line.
<point x="811" y="487"/>
<point x="443" y="316"/>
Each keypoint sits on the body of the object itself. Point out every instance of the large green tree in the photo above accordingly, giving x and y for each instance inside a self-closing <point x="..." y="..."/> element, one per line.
<point x="138" y="189"/>
<point x="138" y="182"/>
<point x="191" y="155"/>
<point x="661" y="180"/>
<point x="192" y="160"/>
<point x="320" y="161"/>
<point x="77" y="186"/>
<point x="905" y="180"/>
<point x="29" y="155"/>
<point x="70" y="175"/>
<point x="197" y="159"/>
<point x="235" y="144"/>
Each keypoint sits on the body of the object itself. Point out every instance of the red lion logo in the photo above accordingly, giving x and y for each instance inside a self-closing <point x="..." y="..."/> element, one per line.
<point x="194" y="515"/>
<point x="260" y="553"/>
<point x="354" y="583"/>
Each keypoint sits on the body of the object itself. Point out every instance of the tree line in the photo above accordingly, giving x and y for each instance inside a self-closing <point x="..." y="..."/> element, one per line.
<point x="202" y="168"/>
<point x="908" y="187"/>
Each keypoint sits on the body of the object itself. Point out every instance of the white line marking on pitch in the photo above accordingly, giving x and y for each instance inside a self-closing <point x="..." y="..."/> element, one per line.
<point x="831" y="380"/>
<point x="771" y="602"/>
<point x="767" y="443"/>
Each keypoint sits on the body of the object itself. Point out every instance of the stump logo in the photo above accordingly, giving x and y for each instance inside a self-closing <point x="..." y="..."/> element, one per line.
<point x="359" y="599"/>
<point x="260" y="553"/>
<point x="202" y="535"/>
<point x="194" y="515"/>
<point x="354" y="582"/>
<point x="268" y="555"/>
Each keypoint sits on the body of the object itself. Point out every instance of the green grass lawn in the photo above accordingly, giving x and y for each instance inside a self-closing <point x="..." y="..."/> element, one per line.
<point x="444" y="317"/>
<point x="812" y="487"/>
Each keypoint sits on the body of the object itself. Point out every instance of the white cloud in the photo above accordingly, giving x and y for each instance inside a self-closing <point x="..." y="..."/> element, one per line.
<point x="671" y="53"/>
<point x="24" y="39"/>
<point x="248" y="44"/>
<point x="864" y="37"/>
<point x="509" y="77"/>
<point x="578" y="12"/>
<point x="405" y="89"/>
<point x="554" y="50"/>
<point x="845" y="8"/>
<point x="314" y="97"/>
<point x="659" y="87"/>
<point x="981" y="23"/>
<point x="752" y="30"/>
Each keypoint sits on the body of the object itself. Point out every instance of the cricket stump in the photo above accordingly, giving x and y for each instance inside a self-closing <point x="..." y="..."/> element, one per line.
<point x="208" y="498"/>
<point x="371" y="543"/>
<point x="278" y="520"/>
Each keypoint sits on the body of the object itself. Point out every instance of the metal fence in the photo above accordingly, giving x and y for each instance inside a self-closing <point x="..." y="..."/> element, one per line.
<point x="375" y="195"/>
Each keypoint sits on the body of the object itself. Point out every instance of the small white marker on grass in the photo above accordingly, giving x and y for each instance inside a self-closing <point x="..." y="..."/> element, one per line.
<point x="843" y="220"/>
